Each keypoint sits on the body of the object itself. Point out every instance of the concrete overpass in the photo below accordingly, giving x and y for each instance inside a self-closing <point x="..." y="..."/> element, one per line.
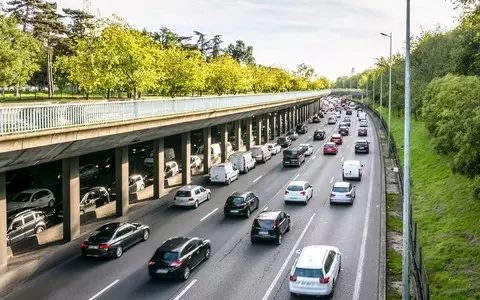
<point x="31" y="135"/>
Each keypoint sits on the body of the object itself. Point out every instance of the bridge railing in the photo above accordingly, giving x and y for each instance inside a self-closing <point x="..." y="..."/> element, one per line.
<point x="29" y="118"/>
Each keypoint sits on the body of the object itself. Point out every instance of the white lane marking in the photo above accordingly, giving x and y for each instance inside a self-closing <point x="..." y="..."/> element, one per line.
<point x="331" y="180"/>
<point x="209" y="214"/>
<point x="258" y="178"/>
<point x="294" y="249"/>
<point x="104" y="290"/>
<point x="348" y="145"/>
<point x="266" y="207"/>
<point x="185" y="289"/>
<point x="295" y="178"/>
<point x="314" y="157"/>
<point x="358" y="280"/>
<point x="343" y="157"/>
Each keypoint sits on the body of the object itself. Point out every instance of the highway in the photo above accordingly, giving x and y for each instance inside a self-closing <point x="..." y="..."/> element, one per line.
<point x="237" y="269"/>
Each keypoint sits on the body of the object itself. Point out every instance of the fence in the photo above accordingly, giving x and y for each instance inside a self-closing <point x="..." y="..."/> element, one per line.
<point x="421" y="285"/>
<point x="19" y="119"/>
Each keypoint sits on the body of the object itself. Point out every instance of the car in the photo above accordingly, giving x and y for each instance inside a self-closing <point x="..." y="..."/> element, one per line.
<point x="342" y="192"/>
<point x="135" y="183"/>
<point x="171" y="169"/>
<point x="88" y="172"/>
<point x="293" y="156"/>
<point x="274" y="148"/>
<point x="106" y="165"/>
<point x="284" y="141"/>
<point x="362" y="131"/>
<point x="362" y="146"/>
<point x="319" y="135"/>
<point x="330" y="148"/>
<point x="110" y="240"/>
<point x="316" y="119"/>
<point x="352" y="169"/>
<point x="332" y="120"/>
<point x="349" y="112"/>
<point x="363" y="123"/>
<point x="298" y="191"/>
<point x="338" y="114"/>
<point x="308" y="149"/>
<point x="195" y="162"/>
<point x="178" y="256"/>
<point x="321" y="114"/>
<point x="191" y="196"/>
<point x="241" y="203"/>
<point x="32" y="198"/>
<point x="348" y="120"/>
<point x="292" y="134"/>
<point x="343" y="129"/>
<point x="337" y="139"/>
<point x="224" y="173"/>
<point x="315" y="272"/>
<point x="92" y="199"/>
<point x="25" y="224"/>
<point x="270" y="225"/>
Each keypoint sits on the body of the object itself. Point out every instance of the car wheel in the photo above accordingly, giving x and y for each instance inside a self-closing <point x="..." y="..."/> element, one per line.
<point x="246" y="169"/>
<point x="209" y="196"/>
<point x="51" y="203"/>
<point x="279" y="239"/>
<point x="186" y="273"/>
<point x="119" y="251"/>
<point x="207" y="254"/>
<point x="196" y="204"/>
<point x="229" y="182"/>
<point x="288" y="228"/>
<point x="146" y="235"/>
<point x="39" y="229"/>
<point x="247" y="213"/>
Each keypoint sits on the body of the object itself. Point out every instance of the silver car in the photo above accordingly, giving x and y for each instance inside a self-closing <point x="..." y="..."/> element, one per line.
<point x="191" y="196"/>
<point x="342" y="192"/>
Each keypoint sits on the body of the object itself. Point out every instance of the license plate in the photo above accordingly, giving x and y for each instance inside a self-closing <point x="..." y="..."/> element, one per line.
<point x="234" y="211"/>
<point x="361" y="148"/>
<point x="162" y="271"/>
<point x="92" y="247"/>
<point x="263" y="232"/>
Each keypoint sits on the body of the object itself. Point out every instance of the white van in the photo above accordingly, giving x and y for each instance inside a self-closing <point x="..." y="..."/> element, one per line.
<point x="225" y="173"/>
<point x="261" y="153"/>
<point x="243" y="161"/>
<point x="362" y="116"/>
<point x="352" y="169"/>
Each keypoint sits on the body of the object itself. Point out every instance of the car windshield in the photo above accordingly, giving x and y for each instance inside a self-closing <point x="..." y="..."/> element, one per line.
<point x="235" y="200"/>
<point x="311" y="273"/>
<point x="266" y="224"/>
<point x="340" y="189"/>
<point x="295" y="188"/>
<point x="290" y="153"/>
<point x="183" y="194"/>
<point x="167" y="256"/>
<point x="22" y="197"/>
<point x="304" y="147"/>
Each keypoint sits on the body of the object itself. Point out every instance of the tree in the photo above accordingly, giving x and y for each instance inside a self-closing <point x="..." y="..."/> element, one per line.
<point x="24" y="11"/>
<point x="202" y="43"/>
<point x="216" y="44"/>
<point x="241" y="52"/>
<point x="80" y="24"/>
<point x="224" y="74"/>
<point x="166" y="37"/>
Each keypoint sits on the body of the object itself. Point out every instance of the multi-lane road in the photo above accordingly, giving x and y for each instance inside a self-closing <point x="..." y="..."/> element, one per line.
<point x="237" y="269"/>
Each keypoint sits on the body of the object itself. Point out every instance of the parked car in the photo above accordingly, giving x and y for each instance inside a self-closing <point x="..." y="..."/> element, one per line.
<point x="241" y="203"/>
<point x="274" y="148"/>
<point x="352" y="169"/>
<point x="243" y="161"/>
<point x="25" y="224"/>
<point x="301" y="128"/>
<point x="261" y="153"/>
<point x="195" y="162"/>
<point x="270" y="225"/>
<point x="362" y="146"/>
<point x="88" y="172"/>
<point x="362" y="131"/>
<point x="330" y="148"/>
<point x="321" y="114"/>
<point x="91" y="199"/>
<point x="337" y="139"/>
<point x="106" y="165"/>
<point x="135" y="183"/>
<point x="112" y="239"/>
<point x="319" y="135"/>
<point x="342" y="192"/>
<point x="316" y="119"/>
<point x="168" y="155"/>
<point x="298" y="191"/>
<point x="308" y="149"/>
<point x="33" y="198"/>
<point x="171" y="169"/>
<point x="284" y="141"/>
<point x="316" y="270"/>
<point x="191" y="196"/>
<point x="224" y="173"/>
<point x="292" y="134"/>
<point x="178" y="256"/>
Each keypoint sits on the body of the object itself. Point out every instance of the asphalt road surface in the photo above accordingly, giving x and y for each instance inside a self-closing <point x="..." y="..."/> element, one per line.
<point x="237" y="269"/>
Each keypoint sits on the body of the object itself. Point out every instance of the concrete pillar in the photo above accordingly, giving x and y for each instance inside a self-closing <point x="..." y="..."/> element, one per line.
<point x="186" y="150"/>
<point x="266" y="131"/>
<point x="158" y="168"/>
<point x="248" y="142"/>
<point x="223" y="141"/>
<point x="258" y="139"/>
<point x="279" y="123"/>
<point x="71" y="198"/>
<point x="207" y="152"/>
<point x="273" y="126"/>
<point x="238" y="134"/>
<point x="285" y="121"/>
<point x="121" y="180"/>
<point x="3" y="224"/>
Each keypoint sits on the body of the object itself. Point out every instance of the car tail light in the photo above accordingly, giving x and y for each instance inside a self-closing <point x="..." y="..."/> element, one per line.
<point x="302" y="193"/>
<point x="293" y="278"/>
<point x="348" y="195"/>
<point x="176" y="263"/>
<point x="244" y="204"/>
<point x="190" y="199"/>
<point x="84" y="244"/>
<point x="332" y="195"/>
<point x="104" y="246"/>
<point x="151" y="262"/>
<point x="286" y="192"/>
<point x="324" y="280"/>
<point x="274" y="223"/>
<point x="244" y="162"/>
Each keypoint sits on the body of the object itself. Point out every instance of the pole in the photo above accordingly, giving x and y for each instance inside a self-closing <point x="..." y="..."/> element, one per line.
<point x="373" y="94"/>
<point x="406" y="169"/>
<point x="390" y="96"/>
<point x="366" y="94"/>
<point x="381" y="94"/>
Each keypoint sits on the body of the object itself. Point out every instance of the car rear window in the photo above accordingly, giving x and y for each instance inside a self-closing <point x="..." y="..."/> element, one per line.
<point x="329" y="146"/>
<point x="101" y="236"/>
<point x="361" y="143"/>
<point x="235" y="200"/>
<point x="280" y="140"/>
<point x="183" y="193"/>
<point x="167" y="256"/>
<point x="290" y="153"/>
<point x="340" y="189"/>
<point x="311" y="273"/>
<point x="265" y="224"/>
<point x="295" y="188"/>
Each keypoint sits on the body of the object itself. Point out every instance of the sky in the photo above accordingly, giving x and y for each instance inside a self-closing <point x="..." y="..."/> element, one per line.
<point x="332" y="36"/>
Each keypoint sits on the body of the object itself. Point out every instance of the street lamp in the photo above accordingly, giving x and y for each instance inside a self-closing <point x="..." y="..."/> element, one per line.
<point x="389" y="91"/>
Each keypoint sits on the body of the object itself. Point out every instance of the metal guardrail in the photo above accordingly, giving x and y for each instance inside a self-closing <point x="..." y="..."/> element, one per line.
<point x="20" y="119"/>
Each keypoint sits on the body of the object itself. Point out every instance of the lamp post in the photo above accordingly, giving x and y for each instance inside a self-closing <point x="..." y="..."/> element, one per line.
<point x="389" y="90"/>
<point x="381" y="94"/>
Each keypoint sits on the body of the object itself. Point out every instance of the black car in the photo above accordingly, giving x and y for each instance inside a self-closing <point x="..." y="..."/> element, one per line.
<point x="319" y="135"/>
<point x="106" y="165"/>
<point x="301" y="129"/>
<point x="178" y="256"/>
<point x="112" y="239"/>
<point x="362" y="131"/>
<point x="349" y="112"/>
<point x="316" y="119"/>
<point x="241" y="203"/>
<point x="284" y="141"/>
<point x="270" y="225"/>
<point x="362" y="146"/>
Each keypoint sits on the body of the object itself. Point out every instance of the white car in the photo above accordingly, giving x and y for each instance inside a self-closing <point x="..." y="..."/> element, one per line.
<point x="191" y="195"/>
<point x="135" y="183"/>
<point x="274" y="148"/>
<point x="315" y="272"/>
<point x="33" y="198"/>
<point x="298" y="191"/>
<point x="308" y="149"/>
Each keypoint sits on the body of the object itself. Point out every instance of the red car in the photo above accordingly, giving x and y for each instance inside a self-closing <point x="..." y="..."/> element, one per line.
<point x="330" y="148"/>
<point x="337" y="139"/>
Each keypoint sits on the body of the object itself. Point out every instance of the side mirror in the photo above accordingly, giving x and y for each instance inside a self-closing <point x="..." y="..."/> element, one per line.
<point x="362" y="166"/>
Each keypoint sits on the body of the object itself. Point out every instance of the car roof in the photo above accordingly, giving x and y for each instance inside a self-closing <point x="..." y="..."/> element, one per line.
<point x="336" y="135"/>
<point x="330" y="143"/>
<point x="341" y="184"/>
<point x="298" y="182"/>
<point x="319" y="130"/>
<point x="34" y="190"/>
<point x="174" y="244"/>
<point x="268" y="214"/>
<point x="351" y="162"/>
<point x="188" y="187"/>
<point x="306" y="145"/>
<point x="222" y="165"/>
<point x="313" y="257"/>
<point x="239" y="194"/>
<point x="361" y="141"/>
<point x="111" y="226"/>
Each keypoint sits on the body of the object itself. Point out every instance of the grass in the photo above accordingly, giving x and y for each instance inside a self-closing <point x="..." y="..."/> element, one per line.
<point x="394" y="222"/>
<point x="394" y="269"/>
<point x="447" y="216"/>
